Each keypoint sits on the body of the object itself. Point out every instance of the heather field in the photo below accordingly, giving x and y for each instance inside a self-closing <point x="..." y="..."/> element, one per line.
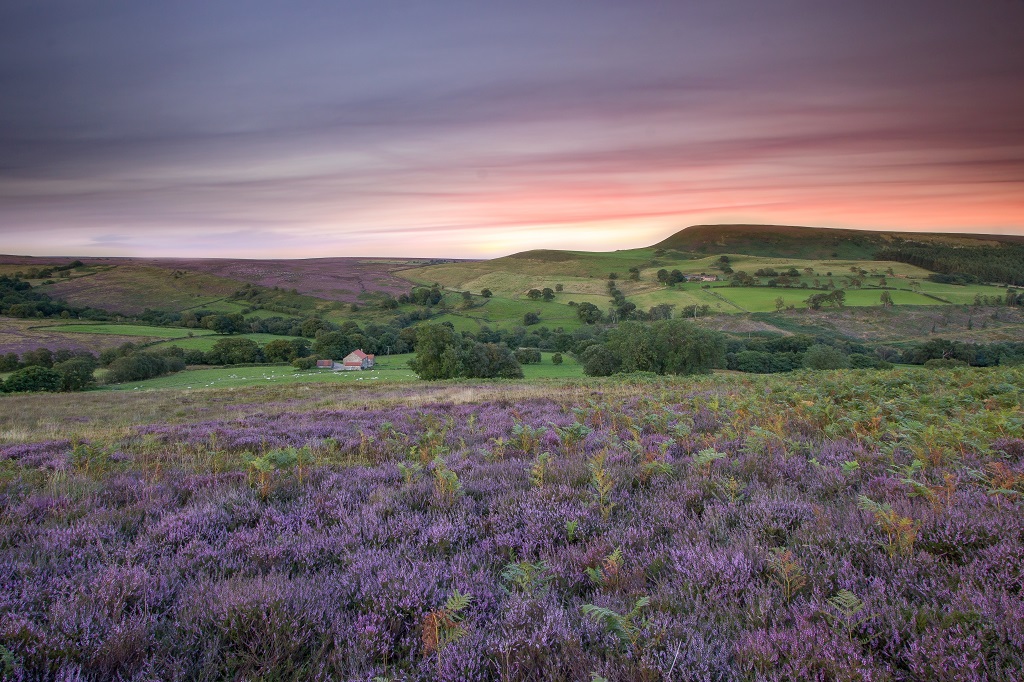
<point x="845" y="525"/>
<point x="21" y="336"/>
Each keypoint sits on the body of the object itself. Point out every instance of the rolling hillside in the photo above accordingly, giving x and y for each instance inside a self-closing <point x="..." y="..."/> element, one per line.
<point x="343" y="289"/>
<point x="788" y="241"/>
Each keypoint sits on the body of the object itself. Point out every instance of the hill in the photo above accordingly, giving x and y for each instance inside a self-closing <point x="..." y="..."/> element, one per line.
<point x="781" y="268"/>
<point x="785" y="241"/>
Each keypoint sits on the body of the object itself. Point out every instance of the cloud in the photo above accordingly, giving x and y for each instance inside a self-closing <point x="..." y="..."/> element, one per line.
<point x="178" y="127"/>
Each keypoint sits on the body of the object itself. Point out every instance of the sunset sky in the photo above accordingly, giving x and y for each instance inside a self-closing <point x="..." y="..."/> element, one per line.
<point x="435" y="128"/>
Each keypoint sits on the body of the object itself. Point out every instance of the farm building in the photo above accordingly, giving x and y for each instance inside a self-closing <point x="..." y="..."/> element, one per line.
<point x="357" y="359"/>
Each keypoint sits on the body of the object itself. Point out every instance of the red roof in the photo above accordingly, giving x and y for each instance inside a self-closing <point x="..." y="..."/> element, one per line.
<point x="359" y="353"/>
<point x="325" y="363"/>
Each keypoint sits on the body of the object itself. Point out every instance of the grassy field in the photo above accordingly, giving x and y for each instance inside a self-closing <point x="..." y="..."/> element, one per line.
<point x="393" y="368"/>
<point x="583" y="277"/>
<point x="388" y="369"/>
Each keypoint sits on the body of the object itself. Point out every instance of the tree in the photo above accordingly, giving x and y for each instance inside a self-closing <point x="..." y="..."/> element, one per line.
<point x="33" y="378"/>
<point x="600" y="361"/>
<point x="530" y="319"/>
<point x="467" y="299"/>
<point x="311" y="325"/>
<point x="588" y="312"/>
<point x="443" y="354"/>
<point x="527" y="356"/>
<point x="431" y="342"/>
<point x="304" y="363"/>
<point x="282" y="350"/>
<point x="547" y="294"/>
<point x="40" y="357"/>
<point x="685" y="348"/>
<point x="820" y="356"/>
<point x="486" y="293"/>
<point x="139" y="366"/>
<point x="556" y="359"/>
<point x="9" y="362"/>
<point x="780" y="304"/>
<point x="534" y="294"/>
<point x="559" y="287"/>
<point x="76" y="374"/>
<point x="886" y="299"/>
<point x="234" y="352"/>
<point x="633" y="344"/>
<point x="634" y="274"/>
<point x="492" y="361"/>
<point x="332" y="345"/>
<point x="224" y="324"/>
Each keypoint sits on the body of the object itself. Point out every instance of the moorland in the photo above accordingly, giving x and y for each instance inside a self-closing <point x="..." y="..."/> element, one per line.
<point x="743" y="453"/>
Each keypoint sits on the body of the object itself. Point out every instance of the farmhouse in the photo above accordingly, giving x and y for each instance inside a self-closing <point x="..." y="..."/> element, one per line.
<point x="357" y="359"/>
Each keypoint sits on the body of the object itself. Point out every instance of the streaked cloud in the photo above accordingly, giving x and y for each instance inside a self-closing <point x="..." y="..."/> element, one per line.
<point x="460" y="129"/>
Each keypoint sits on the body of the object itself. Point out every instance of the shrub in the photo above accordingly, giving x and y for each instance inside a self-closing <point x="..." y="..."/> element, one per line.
<point x="304" y="363"/>
<point x="234" y="352"/>
<point x="600" y="361"/>
<point x="33" y="378"/>
<point x="139" y="366"/>
<point x="76" y="374"/>
<point x="527" y="356"/>
<point x="820" y="356"/>
<point x="556" y="359"/>
<point x="944" y="363"/>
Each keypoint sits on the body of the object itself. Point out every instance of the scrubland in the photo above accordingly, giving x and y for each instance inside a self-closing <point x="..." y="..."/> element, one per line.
<point x="845" y="525"/>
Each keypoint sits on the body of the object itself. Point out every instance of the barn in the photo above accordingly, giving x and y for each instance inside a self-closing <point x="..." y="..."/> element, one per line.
<point x="357" y="359"/>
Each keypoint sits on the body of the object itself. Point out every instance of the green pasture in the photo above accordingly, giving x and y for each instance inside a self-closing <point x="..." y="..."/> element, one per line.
<point x="583" y="276"/>
<point x="389" y="369"/>
<point x="569" y="369"/>
<point x="392" y="368"/>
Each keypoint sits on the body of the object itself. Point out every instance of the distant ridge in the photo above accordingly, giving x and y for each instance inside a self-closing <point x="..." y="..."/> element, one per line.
<point x="795" y="241"/>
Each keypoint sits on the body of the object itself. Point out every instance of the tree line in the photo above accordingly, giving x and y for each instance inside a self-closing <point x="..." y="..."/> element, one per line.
<point x="1002" y="264"/>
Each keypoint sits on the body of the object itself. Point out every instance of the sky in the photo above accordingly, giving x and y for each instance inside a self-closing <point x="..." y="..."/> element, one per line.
<point x="476" y="129"/>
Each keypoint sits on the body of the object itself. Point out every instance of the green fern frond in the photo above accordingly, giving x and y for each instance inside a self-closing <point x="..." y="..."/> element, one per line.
<point x="846" y="602"/>
<point x="457" y="602"/>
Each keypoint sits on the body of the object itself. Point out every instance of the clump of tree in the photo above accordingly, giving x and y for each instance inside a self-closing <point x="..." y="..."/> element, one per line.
<point x="141" y="365"/>
<point x="670" y="278"/>
<point x="662" y="347"/>
<point x="19" y="298"/>
<point x="442" y="353"/>
<point x="962" y="265"/>
<point x="834" y="298"/>
<point x="73" y="370"/>
<point x="34" y="378"/>
<point x="820" y="356"/>
<point x="527" y="356"/>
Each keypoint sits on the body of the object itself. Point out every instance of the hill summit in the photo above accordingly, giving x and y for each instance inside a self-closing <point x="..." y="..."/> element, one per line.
<point x="792" y="241"/>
